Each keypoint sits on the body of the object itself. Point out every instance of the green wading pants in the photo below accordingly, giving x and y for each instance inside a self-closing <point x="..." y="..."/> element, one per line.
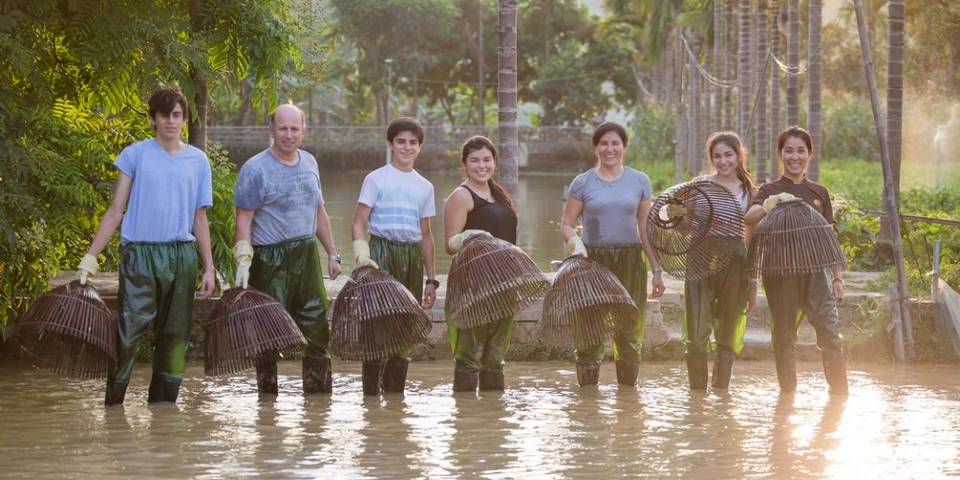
<point x="626" y="262"/>
<point x="717" y="304"/>
<point x="403" y="261"/>
<point x="157" y="283"/>
<point x="480" y="348"/>
<point x="290" y="272"/>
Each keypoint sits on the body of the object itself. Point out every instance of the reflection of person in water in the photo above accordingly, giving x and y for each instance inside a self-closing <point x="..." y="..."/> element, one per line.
<point x="946" y="141"/>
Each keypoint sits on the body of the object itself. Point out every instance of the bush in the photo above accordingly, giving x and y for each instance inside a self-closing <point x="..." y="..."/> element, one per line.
<point x="848" y="130"/>
<point x="651" y="139"/>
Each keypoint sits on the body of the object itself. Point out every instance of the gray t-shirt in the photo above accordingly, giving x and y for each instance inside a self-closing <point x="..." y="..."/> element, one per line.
<point x="610" y="208"/>
<point x="285" y="197"/>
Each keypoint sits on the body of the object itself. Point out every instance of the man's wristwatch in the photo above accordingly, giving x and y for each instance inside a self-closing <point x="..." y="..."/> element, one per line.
<point x="434" y="282"/>
<point x="335" y="258"/>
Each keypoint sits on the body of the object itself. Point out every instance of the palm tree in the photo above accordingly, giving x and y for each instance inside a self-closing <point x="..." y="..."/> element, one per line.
<point x="507" y="136"/>
<point x="718" y="59"/>
<point x="744" y="68"/>
<point x="775" y="120"/>
<point x="761" y="123"/>
<point x="896" y="18"/>
<point x="728" y="71"/>
<point x="814" y="75"/>
<point x="793" y="62"/>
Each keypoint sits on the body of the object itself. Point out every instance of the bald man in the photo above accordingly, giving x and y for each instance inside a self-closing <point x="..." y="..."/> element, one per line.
<point x="280" y="221"/>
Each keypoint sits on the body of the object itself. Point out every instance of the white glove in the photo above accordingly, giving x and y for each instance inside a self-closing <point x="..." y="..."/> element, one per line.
<point x="671" y="211"/>
<point x="456" y="241"/>
<point x="361" y="252"/>
<point x="243" y="254"/>
<point x="575" y="246"/>
<point x="773" y="200"/>
<point x="88" y="266"/>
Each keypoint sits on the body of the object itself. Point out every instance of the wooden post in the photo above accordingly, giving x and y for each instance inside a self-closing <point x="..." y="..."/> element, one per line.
<point x="889" y="199"/>
<point x="896" y="324"/>
<point x="935" y="273"/>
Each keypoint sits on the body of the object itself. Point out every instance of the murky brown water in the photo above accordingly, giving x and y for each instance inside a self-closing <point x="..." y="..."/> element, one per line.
<point x="901" y="422"/>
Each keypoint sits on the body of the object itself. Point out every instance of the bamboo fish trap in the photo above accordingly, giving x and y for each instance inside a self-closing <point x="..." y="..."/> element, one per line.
<point x="702" y="240"/>
<point x="245" y="327"/>
<point x="794" y="239"/>
<point x="70" y="331"/>
<point x="491" y="279"/>
<point x="375" y="316"/>
<point x="586" y="305"/>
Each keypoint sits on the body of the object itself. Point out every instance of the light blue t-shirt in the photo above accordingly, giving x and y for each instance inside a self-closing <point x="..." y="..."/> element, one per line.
<point x="610" y="208"/>
<point x="166" y="192"/>
<point x="398" y="200"/>
<point x="285" y="198"/>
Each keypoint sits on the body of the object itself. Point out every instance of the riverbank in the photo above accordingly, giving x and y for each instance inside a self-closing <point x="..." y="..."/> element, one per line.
<point x="864" y="315"/>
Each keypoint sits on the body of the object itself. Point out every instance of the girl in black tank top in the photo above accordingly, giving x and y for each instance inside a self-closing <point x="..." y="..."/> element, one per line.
<point x="494" y="217"/>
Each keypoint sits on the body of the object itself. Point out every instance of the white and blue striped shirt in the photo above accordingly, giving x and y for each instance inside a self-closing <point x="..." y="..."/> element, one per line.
<point x="398" y="201"/>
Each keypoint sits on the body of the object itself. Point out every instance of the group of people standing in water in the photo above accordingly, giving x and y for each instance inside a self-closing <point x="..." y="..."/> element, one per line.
<point x="165" y="187"/>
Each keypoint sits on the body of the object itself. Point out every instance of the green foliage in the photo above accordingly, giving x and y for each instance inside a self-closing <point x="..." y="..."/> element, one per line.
<point x="849" y="131"/>
<point x="221" y="216"/>
<point x="652" y="133"/>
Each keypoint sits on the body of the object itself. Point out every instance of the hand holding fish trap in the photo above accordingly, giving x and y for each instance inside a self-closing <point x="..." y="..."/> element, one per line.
<point x="70" y="331"/>
<point x="695" y="228"/>
<point x="491" y="279"/>
<point x="794" y="239"/>
<point x="586" y="305"/>
<point x="245" y="327"/>
<point x="375" y="316"/>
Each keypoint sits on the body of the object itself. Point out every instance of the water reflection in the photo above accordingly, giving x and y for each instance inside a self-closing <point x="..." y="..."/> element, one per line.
<point x="904" y="419"/>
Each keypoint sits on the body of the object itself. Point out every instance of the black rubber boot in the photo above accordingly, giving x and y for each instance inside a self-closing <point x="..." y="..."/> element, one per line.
<point x="267" y="377"/>
<point x="395" y="374"/>
<point x="372" y="373"/>
<point x="786" y="370"/>
<point x="116" y="391"/>
<point x="317" y="375"/>
<point x="697" y="370"/>
<point x="464" y="381"/>
<point x="588" y="374"/>
<point x="491" y="380"/>
<point x="722" y="369"/>
<point x="627" y="372"/>
<point x="163" y="388"/>
<point x="835" y="369"/>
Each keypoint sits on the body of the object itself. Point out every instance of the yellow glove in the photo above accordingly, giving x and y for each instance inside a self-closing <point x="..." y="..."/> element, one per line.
<point x="243" y="254"/>
<point x="773" y="200"/>
<point x="361" y="252"/>
<point x="88" y="266"/>
<point x="672" y="211"/>
<point x="456" y="241"/>
<point x="575" y="246"/>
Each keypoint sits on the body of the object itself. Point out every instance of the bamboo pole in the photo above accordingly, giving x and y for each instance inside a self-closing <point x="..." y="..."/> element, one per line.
<point x="889" y="199"/>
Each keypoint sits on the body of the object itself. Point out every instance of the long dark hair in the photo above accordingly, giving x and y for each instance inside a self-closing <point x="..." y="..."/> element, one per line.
<point x="732" y="140"/>
<point x="479" y="142"/>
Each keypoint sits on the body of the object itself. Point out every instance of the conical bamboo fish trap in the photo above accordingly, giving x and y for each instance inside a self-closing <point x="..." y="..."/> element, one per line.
<point x="705" y="238"/>
<point x="586" y="305"/>
<point x="247" y="326"/>
<point x="375" y="316"/>
<point x="70" y="331"/>
<point x="491" y="279"/>
<point x="794" y="239"/>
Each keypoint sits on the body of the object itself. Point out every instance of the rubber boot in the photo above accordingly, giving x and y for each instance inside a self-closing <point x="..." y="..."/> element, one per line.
<point x="267" y="377"/>
<point x="317" y="375"/>
<point x="395" y="374"/>
<point x="116" y="391"/>
<point x="697" y="370"/>
<point x="163" y="388"/>
<point x="835" y="369"/>
<point x="722" y="369"/>
<point x="372" y="373"/>
<point x="491" y="380"/>
<point x="627" y="372"/>
<point x="786" y="369"/>
<point x="588" y="374"/>
<point x="464" y="381"/>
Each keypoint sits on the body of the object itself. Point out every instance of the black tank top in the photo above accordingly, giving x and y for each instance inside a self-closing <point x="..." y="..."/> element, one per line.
<point x="494" y="217"/>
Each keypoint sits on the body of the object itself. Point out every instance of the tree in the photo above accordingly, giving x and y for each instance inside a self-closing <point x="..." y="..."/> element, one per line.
<point x="814" y="69"/>
<point x="507" y="95"/>
<point x="763" y="78"/>
<point x="793" y="62"/>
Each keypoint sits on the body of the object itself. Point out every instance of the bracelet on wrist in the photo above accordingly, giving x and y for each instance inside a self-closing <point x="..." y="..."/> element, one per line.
<point x="434" y="282"/>
<point x="335" y="258"/>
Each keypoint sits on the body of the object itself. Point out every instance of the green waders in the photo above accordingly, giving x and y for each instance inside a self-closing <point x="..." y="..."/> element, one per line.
<point x="478" y="354"/>
<point x="157" y="283"/>
<point x="290" y="272"/>
<point x="790" y="299"/>
<point x="403" y="261"/>
<point x="626" y="262"/>
<point x="716" y="304"/>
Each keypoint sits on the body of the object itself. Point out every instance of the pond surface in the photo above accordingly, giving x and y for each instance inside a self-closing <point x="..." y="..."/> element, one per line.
<point x="539" y="195"/>
<point x="899" y="422"/>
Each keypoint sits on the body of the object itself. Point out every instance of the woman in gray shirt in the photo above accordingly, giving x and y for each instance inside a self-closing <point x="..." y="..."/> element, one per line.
<point x="613" y="201"/>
